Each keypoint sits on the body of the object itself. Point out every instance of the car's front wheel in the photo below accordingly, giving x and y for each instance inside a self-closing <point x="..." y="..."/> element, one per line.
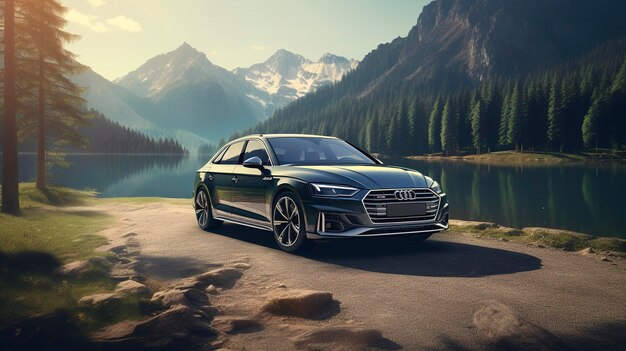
<point x="288" y="223"/>
<point x="204" y="213"/>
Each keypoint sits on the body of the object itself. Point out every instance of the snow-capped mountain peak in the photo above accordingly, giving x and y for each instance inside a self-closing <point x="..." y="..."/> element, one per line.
<point x="287" y="76"/>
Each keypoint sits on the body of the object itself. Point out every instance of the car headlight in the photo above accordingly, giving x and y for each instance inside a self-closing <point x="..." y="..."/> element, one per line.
<point x="332" y="190"/>
<point x="435" y="187"/>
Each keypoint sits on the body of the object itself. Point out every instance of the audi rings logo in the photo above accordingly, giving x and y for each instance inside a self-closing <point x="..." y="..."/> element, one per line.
<point x="405" y="195"/>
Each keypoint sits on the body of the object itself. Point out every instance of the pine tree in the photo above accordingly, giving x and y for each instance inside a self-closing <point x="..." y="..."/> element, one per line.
<point x="554" y="116"/>
<point x="448" y="129"/>
<point x="476" y="122"/>
<point x="503" y="131"/>
<point x="591" y="125"/>
<point x="514" y="133"/>
<point x="47" y="64"/>
<point x="10" y="191"/>
<point x="434" y="127"/>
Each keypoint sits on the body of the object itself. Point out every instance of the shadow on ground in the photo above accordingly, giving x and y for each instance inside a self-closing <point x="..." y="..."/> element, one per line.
<point x="609" y="336"/>
<point x="403" y="255"/>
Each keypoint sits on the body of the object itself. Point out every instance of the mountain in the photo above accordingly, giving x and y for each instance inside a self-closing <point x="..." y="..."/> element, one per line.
<point x="287" y="76"/>
<point x="127" y="109"/>
<point x="118" y="104"/>
<point x="195" y="95"/>
<point x="474" y="74"/>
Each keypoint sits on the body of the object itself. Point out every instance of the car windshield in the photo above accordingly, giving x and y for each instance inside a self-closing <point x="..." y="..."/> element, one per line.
<point x="316" y="151"/>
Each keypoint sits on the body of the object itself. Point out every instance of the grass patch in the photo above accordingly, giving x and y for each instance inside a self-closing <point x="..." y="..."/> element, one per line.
<point x="46" y="235"/>
<point x="560" y="239"/>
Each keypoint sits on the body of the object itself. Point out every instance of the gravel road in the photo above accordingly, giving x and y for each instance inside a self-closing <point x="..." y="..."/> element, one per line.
<point x="453" y="291"/>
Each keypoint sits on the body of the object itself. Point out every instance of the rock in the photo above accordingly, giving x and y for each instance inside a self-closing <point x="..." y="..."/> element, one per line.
<point x="176" y="328"/>
<point x="301" y="303"/>
<point x="503" y="327"/>
<point x="586" y="251"/>
<point x="124" y="271"/>
<point x="189" y="297"/>
<point x="190" y="283"/>
<point x="74" y="269"/>
<point x="99" y="300"/>
<point x="211" y="289"/>
<point x="100" y="261"/>
<point x="239" y="325"/>
<point x="344" y="338"/>
<point x="241" y="265"/>
<point x="222" y="277"/>
<point x="132" y="287"/>
<point x="606" y="259"/>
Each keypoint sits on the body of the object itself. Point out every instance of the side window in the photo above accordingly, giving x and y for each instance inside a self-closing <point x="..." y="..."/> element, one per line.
<point x="231" y="156"/>
<point x="218" y="158"/>
<point x="256" y="148"/>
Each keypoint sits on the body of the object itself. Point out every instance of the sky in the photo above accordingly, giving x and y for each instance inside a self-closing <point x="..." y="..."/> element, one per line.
<point x="117" y="36"/>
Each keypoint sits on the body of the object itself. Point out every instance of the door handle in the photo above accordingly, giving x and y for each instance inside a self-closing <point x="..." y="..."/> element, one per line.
<point x="235" y="179"/>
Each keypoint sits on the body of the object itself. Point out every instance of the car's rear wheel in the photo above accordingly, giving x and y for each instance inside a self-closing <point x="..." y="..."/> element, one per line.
<point x="288" y="223"/>
<point x="204" y="212"/>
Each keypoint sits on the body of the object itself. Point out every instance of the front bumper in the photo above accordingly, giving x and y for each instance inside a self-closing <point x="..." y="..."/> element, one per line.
<point x="347" y="218"/>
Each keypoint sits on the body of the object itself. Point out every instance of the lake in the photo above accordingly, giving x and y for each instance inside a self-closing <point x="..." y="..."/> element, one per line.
<point x="581" y="197"/>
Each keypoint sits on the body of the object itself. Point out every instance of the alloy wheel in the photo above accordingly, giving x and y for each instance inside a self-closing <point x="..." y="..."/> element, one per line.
<point x="202" y="208"/>
<point x="286" y="221"/>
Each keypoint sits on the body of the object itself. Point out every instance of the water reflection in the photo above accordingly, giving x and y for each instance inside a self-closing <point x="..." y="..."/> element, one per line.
<point x="580" y="197"/>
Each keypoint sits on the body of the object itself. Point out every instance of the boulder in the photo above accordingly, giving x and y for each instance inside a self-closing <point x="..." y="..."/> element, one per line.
<point x="211" y="289"/>
<point x="189" y="297"/>
<point x="344" y="338"/>
<point x="241" y="265"/>
<point x="131" y="287"/>
<point x="222" y="277"/>
<point x="239" y="325"/>
<point x="176" y="328"/>
<point x="504" y="328"/>
<point x="189" y="283"/>
<point x="99" y="300"/>
<point x="300" y="303"/>
<point x="74" y="269"/>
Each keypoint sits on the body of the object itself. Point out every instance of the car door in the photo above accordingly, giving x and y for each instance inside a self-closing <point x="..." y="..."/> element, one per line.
<point x="252" y="186"/>
<point x="219" y="178"/>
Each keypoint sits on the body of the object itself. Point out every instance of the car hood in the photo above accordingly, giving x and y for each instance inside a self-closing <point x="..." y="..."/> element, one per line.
<point x="361" y="176"/>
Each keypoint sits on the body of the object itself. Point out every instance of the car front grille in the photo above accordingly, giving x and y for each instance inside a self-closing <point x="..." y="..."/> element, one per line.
<point x="376" y="203"/>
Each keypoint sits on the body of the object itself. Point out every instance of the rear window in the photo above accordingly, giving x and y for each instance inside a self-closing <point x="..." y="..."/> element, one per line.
<point x="231" y="156"/>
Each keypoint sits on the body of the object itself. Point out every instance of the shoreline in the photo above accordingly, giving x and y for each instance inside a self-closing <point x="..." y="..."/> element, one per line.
<point x="513" y="158"/>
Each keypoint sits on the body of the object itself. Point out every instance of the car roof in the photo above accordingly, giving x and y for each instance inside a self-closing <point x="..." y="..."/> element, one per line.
<point x="271" y="136"/>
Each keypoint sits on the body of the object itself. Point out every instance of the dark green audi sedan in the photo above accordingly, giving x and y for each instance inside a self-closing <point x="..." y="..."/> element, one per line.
<point x="304" y="187"/>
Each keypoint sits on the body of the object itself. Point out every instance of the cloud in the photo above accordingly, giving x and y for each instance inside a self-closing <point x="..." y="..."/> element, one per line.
<point x="86" y="21"/>
<point x="258" y="48"/>
<point x="96" y="3"/>
<point x="124" y="23"/>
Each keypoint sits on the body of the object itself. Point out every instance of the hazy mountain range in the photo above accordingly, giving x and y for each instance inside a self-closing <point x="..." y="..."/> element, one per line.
<point x="181" y="94"/>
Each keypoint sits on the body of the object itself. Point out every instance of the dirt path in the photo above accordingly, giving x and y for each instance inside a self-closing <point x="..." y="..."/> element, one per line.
<point x="450" y="292"/>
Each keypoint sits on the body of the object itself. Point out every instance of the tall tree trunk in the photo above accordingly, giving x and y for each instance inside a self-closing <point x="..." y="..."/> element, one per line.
<point x="41" y="133"/>
<point x="10" y="191"/>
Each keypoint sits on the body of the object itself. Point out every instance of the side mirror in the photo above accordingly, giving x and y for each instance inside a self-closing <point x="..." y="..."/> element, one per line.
<point x="253" y="162"/>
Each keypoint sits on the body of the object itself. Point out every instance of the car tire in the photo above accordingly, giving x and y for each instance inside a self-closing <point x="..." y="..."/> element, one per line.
<point x="285" y="222"/>
<point x="204" y="211"/>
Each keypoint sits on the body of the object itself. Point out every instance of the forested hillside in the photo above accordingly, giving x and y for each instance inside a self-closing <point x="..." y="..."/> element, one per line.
<point x="453" y="84"/>
<point x="106" y="136"/>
